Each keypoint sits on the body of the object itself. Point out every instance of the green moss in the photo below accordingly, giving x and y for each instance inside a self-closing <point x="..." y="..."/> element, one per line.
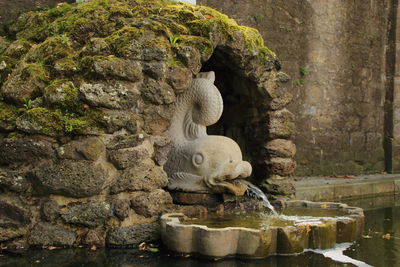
<point x="6" y="66"/>
<point x="174" y="62"/>
<point x="4" y="43"/>
<point x="18" y="48"/>
<point x="8" y="115"/>
<point x="66" y="65"/>
<point x="62" y="94"/>
<point x="32" y="26"/>
<point x="77" y="125"/>
<point x="52" y="49"/>
<point x="45" y="121"/>
<point x="202" y="44"/>
<point x="71" y="38"/>
<point x="57" y="123"/>
<point x="121" y="40"/>
<point x="34" y="70"/>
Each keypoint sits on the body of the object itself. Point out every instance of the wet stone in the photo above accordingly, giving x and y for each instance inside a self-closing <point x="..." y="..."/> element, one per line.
<point x="7" y="234"/>
<point x="12" y="213"/>
<point x="292" y="239"/>
<point x="50" y="210"/>
<point x="50" y="234"/>
<point x="94" y="238"/>
<point x="346" y="230"/>
<point x="322" y="236"/>
<point x="130" y="236"/>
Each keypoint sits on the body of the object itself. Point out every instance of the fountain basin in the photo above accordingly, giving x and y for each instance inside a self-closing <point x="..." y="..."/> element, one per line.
<point x="187" y="236"/>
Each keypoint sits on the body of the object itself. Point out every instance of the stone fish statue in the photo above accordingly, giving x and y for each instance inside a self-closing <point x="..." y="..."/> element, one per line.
<point x="199" y="162"/>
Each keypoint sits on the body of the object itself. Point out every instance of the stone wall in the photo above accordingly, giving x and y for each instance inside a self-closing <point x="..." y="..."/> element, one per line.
<point x="9" y="10"/>
<point x="85" y="104"/>
<point x="395" y="145"/>
<point x="335" y="53"/>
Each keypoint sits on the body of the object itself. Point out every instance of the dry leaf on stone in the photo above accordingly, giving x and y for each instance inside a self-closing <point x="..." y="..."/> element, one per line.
<point x="386" y="236"/>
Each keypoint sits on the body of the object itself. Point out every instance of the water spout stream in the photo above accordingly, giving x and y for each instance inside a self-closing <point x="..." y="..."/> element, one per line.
<point x="255" y="192"/>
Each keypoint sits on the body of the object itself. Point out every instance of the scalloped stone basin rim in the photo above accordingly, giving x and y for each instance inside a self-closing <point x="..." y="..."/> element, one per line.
<point x="194" y="239"/>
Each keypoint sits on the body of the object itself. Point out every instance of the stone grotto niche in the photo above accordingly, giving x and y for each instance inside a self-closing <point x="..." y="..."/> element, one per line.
<point x="242" y="118"/>
<point x="253" y="117"/>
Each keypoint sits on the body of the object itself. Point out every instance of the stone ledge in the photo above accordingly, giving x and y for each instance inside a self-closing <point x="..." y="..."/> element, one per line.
<point x="328" y="188"/>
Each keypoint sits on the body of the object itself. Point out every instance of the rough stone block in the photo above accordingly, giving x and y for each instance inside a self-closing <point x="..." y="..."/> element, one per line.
<point x="26" y="150"/>
<point x="129" y="236"/>
<point x="91" y="214"/>
<point x="281" y="148"/>
<point x="72" y="178"/>
<point x="114" y="94"/>
<point x="281" y="166"/>
<point x="281" y="124"/>
<point x="50" y="234"/>
<point x="151" y="204"/>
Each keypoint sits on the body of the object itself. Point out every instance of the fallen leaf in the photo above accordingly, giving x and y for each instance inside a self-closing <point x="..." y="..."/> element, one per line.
<point x="51" y="248"/>
<point x="93" y="247"/>
<point x="153" y="250"/>
<point x="208" y="16"/>
<point x="143" y="246"/>
<point x="324" y="206"/>
<point x="387" y="236"/>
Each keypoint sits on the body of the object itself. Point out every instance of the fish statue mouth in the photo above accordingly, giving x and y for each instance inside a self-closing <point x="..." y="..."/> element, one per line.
<point x="223" y="185"/>
<point x="199" y="162"/>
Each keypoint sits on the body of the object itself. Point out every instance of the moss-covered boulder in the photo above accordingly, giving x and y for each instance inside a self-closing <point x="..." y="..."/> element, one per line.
<point x="85" y="102"/>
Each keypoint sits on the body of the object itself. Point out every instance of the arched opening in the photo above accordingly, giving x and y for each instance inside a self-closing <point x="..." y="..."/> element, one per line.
<point x="243" y="118"/>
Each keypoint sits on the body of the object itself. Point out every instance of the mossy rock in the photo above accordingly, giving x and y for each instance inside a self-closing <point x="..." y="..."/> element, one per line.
<point x="50" y="53"/>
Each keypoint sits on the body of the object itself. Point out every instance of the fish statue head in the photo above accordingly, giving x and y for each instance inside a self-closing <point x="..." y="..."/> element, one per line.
<point x="199" y="162"/>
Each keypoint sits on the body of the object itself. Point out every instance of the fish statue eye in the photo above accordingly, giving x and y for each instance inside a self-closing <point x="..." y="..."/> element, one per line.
<point x="197" y="159"/>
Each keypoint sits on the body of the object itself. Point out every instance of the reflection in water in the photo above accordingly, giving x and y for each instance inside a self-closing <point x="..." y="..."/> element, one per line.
<point x="380" y="245"/>
<point x="337" y="255"/>
<point x="382" y="218"/>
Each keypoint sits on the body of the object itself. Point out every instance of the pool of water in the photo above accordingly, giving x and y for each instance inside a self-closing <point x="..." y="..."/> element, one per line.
<point x="380" y="246"/>
<point x="259" y="220"/>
